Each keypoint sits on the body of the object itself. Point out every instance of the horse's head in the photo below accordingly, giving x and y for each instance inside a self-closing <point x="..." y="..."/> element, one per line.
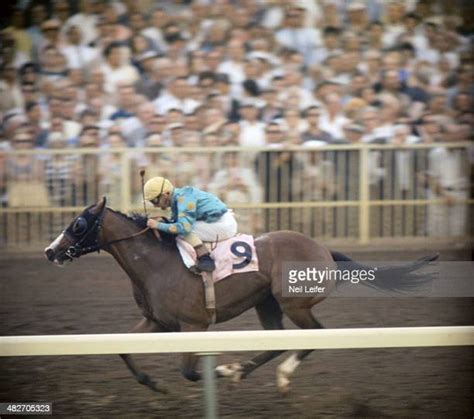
<point x="80" y="237"/>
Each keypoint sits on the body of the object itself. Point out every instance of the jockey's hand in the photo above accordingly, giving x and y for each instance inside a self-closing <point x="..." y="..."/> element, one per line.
<point x="152" y="223"/>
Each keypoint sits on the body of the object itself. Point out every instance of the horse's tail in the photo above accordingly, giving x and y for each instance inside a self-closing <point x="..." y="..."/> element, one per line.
<point x="391" y="278"/>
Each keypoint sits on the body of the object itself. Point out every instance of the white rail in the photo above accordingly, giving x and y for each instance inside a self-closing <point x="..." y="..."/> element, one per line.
<point x="208" y="343"/>
<point x="396" y="337"/>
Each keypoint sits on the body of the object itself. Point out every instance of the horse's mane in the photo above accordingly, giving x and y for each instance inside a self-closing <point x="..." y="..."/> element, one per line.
<point x="140" y="220"/>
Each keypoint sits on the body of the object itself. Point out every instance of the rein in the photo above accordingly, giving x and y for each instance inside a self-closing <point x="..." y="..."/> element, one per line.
<point x="126" y="238"/>
<point x="77" y="250"/>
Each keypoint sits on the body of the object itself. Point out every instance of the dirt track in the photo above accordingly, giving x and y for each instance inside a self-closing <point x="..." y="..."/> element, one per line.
<point x="37" y="298"/>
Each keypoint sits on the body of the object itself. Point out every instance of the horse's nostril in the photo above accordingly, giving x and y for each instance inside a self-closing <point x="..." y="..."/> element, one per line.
<point x="49" y="254"/>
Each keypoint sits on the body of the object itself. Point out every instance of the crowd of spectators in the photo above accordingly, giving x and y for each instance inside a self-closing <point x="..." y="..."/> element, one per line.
<point x="222" y="72"/>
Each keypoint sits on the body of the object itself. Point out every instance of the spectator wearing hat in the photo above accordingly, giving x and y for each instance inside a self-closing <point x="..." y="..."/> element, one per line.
<point x="216" y="35"/>
<point x="274" y="14"/>
<point x="357" y="17"/>
<point x="330" y="14"/>
<point x="353" y="133"/>
<point x="150" y="84"/>
<point x="51" y="34"/>
<point x="142" y="52"/>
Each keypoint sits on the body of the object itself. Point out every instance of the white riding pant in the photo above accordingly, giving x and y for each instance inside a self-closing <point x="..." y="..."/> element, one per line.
<point x="222" y="229"/>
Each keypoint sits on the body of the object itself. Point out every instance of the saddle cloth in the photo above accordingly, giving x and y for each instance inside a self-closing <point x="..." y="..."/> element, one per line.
<point x="234" y="255"/>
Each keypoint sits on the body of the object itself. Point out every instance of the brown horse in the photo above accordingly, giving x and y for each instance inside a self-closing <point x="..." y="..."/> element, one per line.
<point x="171" y="298"/>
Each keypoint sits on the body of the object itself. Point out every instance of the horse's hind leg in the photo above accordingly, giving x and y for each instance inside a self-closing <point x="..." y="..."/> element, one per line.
<point x="270" y="316"/>
<point x="303" y="318"/>
<point x="145" y="326"/>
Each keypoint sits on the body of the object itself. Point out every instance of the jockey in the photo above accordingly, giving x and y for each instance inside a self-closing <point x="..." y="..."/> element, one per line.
<point x="197" y="216"/>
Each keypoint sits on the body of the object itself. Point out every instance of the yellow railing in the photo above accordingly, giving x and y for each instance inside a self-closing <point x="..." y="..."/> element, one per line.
<point x="339" y="191"/>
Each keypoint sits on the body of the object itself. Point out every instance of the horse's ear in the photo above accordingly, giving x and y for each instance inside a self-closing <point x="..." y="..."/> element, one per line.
<point x="97" y="208"/>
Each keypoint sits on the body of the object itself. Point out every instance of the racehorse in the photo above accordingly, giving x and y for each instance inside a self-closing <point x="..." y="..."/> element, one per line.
<point x="171" y="298"/>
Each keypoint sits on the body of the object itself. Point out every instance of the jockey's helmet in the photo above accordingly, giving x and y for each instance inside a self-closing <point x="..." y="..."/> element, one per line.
<point x="155" y="186"/>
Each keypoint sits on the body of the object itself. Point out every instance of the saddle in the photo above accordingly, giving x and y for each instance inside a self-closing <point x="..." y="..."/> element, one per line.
<point x="232" y="256"/>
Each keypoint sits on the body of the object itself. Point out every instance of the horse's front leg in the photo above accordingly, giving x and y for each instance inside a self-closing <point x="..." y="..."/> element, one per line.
<point x="189" y="361"/>
<point x="144" y="326"/>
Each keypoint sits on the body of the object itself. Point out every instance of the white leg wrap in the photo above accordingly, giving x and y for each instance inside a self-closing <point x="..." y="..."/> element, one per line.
<point x="230" y="370"/>
<point x="284" y="371"/>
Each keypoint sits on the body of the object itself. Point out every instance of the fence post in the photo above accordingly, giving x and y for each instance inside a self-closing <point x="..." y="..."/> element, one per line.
<point x="210" y="392"/>
<point x="364" y="194"/>
<point x="125" y="187"/>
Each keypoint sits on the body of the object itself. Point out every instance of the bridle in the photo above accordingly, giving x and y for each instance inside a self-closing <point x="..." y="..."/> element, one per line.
<point x="80" y="248"/>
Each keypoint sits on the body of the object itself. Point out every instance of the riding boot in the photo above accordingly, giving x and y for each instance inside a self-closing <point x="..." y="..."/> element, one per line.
<point x="204" y="261"/>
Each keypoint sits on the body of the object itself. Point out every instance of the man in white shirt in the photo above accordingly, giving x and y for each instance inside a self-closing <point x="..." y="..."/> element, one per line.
<point x="176" y="97"/>
<point x="233" y="65"/>
<point x="449" y="182"/>
<point x="252" y="131"/>
<point x="78" y="55"/>
<point x="332" y="117"/>
<point x="115" y="70"/>
<point x="294" y="35"/>
<point x="86" y="20"/>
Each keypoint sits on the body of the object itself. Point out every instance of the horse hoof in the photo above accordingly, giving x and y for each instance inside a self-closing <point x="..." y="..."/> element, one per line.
<point x="234" y="371"/>
<point x="284" y="371"/>
<point x="283" y="385"/>
<point x="145" y="380"/>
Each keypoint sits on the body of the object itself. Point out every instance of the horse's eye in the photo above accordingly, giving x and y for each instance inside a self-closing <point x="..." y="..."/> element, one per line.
<point x="79" y="227"/>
